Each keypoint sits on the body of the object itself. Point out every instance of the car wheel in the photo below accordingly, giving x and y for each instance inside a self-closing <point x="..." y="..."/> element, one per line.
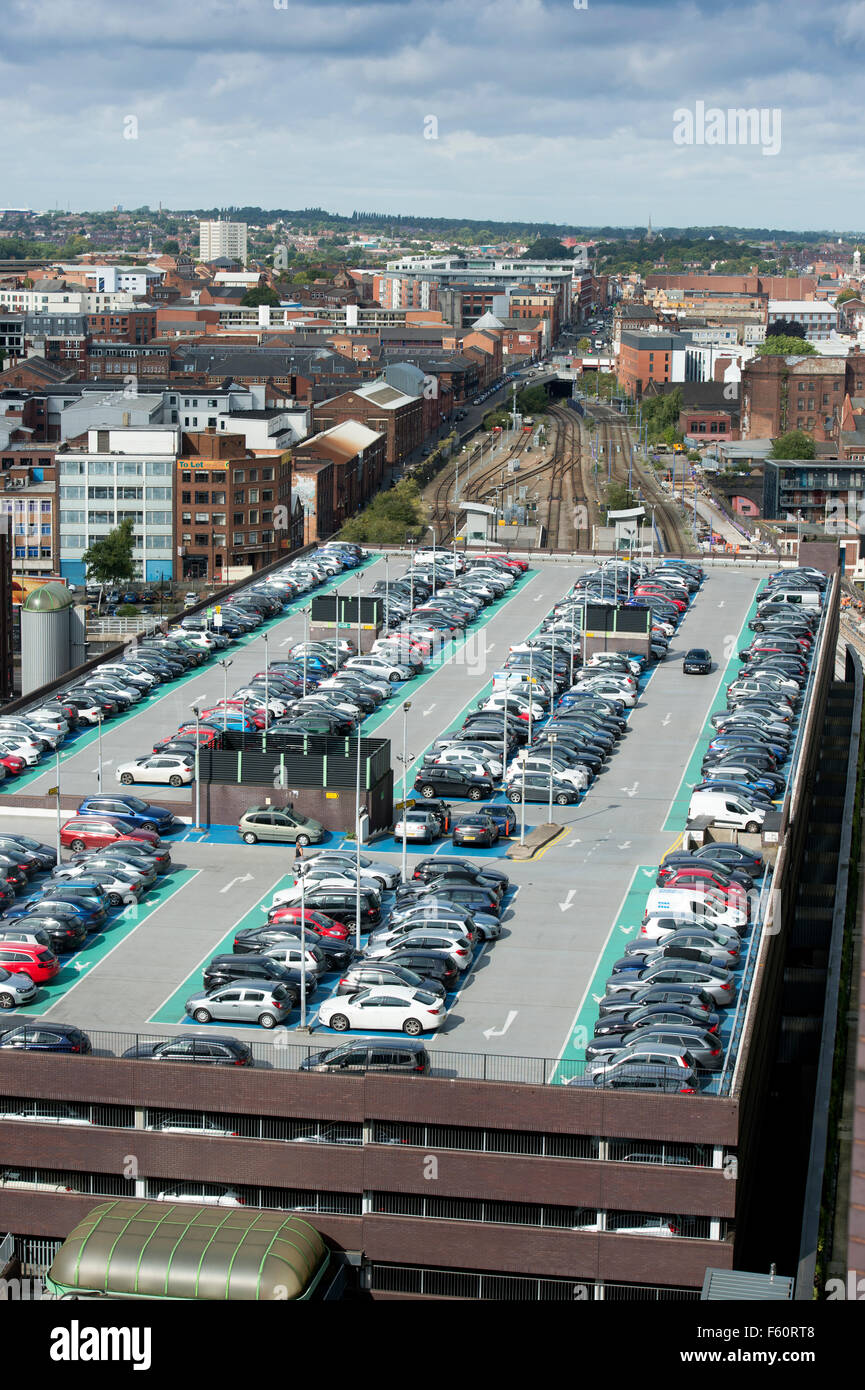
<point x="7" y="1001"/>
<point x="77" y="846"/>
<point x="267" y="1020"/>
<point x="115" y="899"/>
<point x="202" y="1016"/>
<point x="428" y="792"/>
<point x="175" y="781"/>
<point x="302" y="840"/>
<point x="126" y="779"/>
<point x="475" y="793"/>
<point x="562" y="799"/>
<point x="752" y="828"/>
<point x="515" y="798"/>
<point x="249" y="838"/>
<point x="412" y="1026"/>
<point x="339" y="1022"/>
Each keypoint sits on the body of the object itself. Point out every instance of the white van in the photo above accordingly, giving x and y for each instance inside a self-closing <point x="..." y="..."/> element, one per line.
<point x="802" y="598"/>
<point x="688" y="904"/>
<point x="726" y="808"/>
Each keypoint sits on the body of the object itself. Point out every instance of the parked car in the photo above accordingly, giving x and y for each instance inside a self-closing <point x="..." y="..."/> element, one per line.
<point x="279" y="824"/>
<point x="396" y="1056"/>
<point x="385" y="1007"/>
<point x="42" y="1036"/>
<point x="255" y="1001"/>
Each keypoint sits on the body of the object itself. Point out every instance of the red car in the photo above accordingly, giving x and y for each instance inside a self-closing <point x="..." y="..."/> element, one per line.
<point x="208" y="738"/>
<point x="252" y="716"/>
<point x="12" y="764"/>
<point x="519" y="566"/>
<point x="325" y="926"/>
<point x="696" y="877"/>
<point x="95" y="832"/>
<point x="36" y="961"/>
<point x="655" y="591"/>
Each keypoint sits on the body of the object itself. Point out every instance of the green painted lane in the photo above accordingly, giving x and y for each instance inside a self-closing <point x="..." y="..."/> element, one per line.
<point x="450" y="656"/>
<point x="73" y="747"/>
<point x="172" y="1011"/>
<point x="624" y="929"/>
<point x="97" y="948"/>
<point x="693" y="772"/>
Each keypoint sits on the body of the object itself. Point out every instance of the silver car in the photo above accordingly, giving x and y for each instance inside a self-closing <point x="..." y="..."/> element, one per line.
<point x="420" y="826"/>
<point x="253" y="1001"/>
<point x="16" y="988"/>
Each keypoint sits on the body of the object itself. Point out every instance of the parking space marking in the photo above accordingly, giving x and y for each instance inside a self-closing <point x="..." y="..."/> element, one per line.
<point x="95" y="952"/>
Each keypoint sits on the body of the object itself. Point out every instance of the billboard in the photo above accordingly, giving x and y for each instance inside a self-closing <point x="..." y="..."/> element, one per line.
<point x="22" y="585"/>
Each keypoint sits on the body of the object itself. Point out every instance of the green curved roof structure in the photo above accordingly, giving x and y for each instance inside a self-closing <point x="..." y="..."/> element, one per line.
<point x="48" y="599"/>
<point x="172" y="1250"/>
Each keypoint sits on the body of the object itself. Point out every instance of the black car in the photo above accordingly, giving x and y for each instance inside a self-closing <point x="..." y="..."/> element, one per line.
<point x="62" y="933"/>
<point x="478" y="829"/>
<point x="400" y="1055"/>
<point x="341" y="904"/>
<point x="449" y="781"/>
<point x="223" y="969"/>
<point x="697" y="662"/>
<point x="210" y="1050"/>
<point x="654" y="1015"/>
<point x="39" y="1036"/>
<point x="432" y="965"/>
<point x="433" y="866"/>
<point x="445" y="875"/>
<point x="45" y="857"/>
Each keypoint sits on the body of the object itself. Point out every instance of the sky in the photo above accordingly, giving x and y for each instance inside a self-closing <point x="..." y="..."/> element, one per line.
<point x="548" y="110"/>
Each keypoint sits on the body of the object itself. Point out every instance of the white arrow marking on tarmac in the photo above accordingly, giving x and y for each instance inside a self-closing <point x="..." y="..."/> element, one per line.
<point x="571" y="843"/>
<point x="79" y="966"/>
<point x="563" y="907"/>
<point x="631" y="791"/>
<point x="626" y="845"/>
<point x="721" y="604"/>
<point x="626" y="931"/>
<point x="649" y="873"/>
<point x="666" y="719"/>
<point x="428" y="711"/>
<point x="597" y="998"/>
<point x="243" y="878"/>
<point x="500" y="1032"/>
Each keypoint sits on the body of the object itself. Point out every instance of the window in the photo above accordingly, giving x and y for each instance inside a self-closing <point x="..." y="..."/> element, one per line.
<point x="237" y="475"/>
<point x="218" y="497"/>
<point x="267" y="495"/>
<point x="186" y="519"/>
<point x="253" y="494"/>
<point x="202" y="496"/>
<point x="186" y="496"/>
<point x="240" y="495"/>
<point x="70" y="493"/>
<point x="158" y="494"/>
<point x="266" y="475"/>
<point x="237" y="518"/>
<point x="253" y="475"/>
<point x="253" y="516"/>
<point x="218" y="518"/>
<point x="68" y="518"/>
<point x="237" y="538"/>
<point x="202" y="539"/>
<point x="253" y="538"/>
<point x="202" y="517"/>
<point x="187" y="538"/>
<point x="186" y="477"/>
<point x="217" y="477"/>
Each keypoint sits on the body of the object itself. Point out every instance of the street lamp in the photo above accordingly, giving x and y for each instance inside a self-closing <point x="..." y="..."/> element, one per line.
<point x="551" y="739"/>
<point x="523" y="760"/>
<point x="306" y="643"/>
<point x="99" y="769"/>
<point x="303" y="951"/>
<point x="266" y="690"/>
<point x="225" y="663"/>
<point x="405" y="709"/>
<point x="196" y="712"/>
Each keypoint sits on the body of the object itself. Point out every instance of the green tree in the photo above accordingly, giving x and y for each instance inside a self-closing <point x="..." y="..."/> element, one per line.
<point x="532" y="400"/>
<point x="785" y="347"/>
<point x="389" y="517"/>
<point x="618" y="498"/>
<point x="845" y="295"/>
<point x="171" y="247"/>
<point x="261" y="294"/>
<point x="108" y="559"/>
<point x="548" y="247"/>
<point x="795" y="444"/>
<point x="584" y="346"/>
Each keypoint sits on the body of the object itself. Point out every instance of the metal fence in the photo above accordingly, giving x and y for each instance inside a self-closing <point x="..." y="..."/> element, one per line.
<point x="449" y="1283"/>
<point x="121" y="627"/>
<point x="282" y="1052"/>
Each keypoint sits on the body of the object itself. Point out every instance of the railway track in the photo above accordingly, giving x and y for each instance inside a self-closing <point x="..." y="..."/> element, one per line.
<point x="667" y="517"/>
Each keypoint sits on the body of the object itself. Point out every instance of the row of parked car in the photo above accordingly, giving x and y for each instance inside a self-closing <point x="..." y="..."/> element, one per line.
<point x="51" y="909"/>
<point x="414" y="954"/>
<point x="553" y="717"/>
<point x="659" y="1022"/>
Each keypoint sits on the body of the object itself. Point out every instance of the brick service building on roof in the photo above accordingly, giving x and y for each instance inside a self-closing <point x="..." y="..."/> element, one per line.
<point x="384" y="410"/>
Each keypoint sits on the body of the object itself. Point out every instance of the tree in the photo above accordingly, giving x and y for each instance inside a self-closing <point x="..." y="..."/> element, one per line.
<point x="549" y="248"/>
<point x="171" y="248"/>
<point x="618" y="498"/>
<point x="788" y="328"/>
<point x="261" y="294"/>
<point x="795" y="444"/>
<point x="584" y="346"/>
<point x="108" y="559"/>
<point x="785" y="347"/>
<point x="845" y="295"/>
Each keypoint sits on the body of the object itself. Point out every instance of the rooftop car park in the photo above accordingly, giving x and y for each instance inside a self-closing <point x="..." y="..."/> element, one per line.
<point x="528" y="1002"/>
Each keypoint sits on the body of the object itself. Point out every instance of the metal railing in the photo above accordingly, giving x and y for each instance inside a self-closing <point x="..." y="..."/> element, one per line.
<point x="7" y="1250"/>
<point x="121" y="627"/>
<point x="449" y="1283"/>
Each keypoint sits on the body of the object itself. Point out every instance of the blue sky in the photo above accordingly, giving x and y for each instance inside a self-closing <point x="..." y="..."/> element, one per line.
<point x="542" y="110"/>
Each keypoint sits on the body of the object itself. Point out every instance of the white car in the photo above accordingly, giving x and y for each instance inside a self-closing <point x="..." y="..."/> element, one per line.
<point x="605" y="686"/>
<point x="315" y="873"/>
<point x="403" y="653"/>
<point x="387" y="670"/>
<point x="380" y="869"/>
<point x="420" y="826"/>
<point x="576" y="777"/>
<point x="469" y="762"/>
<point x="516" y="704"/>
<point x="46" y="720"/>
<point x="20" y="748"/>
<point x="171" y="769"/>
<point x="384" y="1007"/>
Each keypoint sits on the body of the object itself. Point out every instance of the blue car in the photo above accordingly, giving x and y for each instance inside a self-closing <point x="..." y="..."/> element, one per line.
<point x="132" y="809"/>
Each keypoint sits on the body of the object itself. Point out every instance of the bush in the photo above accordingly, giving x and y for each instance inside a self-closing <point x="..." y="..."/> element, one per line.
<point x="389" y="518"/>
<point x="127" y="610"/>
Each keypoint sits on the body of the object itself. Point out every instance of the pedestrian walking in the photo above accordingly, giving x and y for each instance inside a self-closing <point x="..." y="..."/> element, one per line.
<point x="298" y="853"/>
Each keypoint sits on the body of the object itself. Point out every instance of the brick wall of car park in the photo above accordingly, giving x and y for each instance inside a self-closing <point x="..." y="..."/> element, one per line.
<point x="181" y="805"/>
<point x="398" y="1168"/>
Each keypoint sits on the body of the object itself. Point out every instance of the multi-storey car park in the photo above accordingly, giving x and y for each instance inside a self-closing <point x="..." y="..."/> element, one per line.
<point x="536" y="1183"/>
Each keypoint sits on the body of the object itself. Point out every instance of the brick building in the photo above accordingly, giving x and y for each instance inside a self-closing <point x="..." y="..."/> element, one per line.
<point x="382" y="409"/>
<point x="225" y="500"/>
<point x="650" y="357"/>
<point x="357" y="455"/>
<point x="792" y="393"/>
